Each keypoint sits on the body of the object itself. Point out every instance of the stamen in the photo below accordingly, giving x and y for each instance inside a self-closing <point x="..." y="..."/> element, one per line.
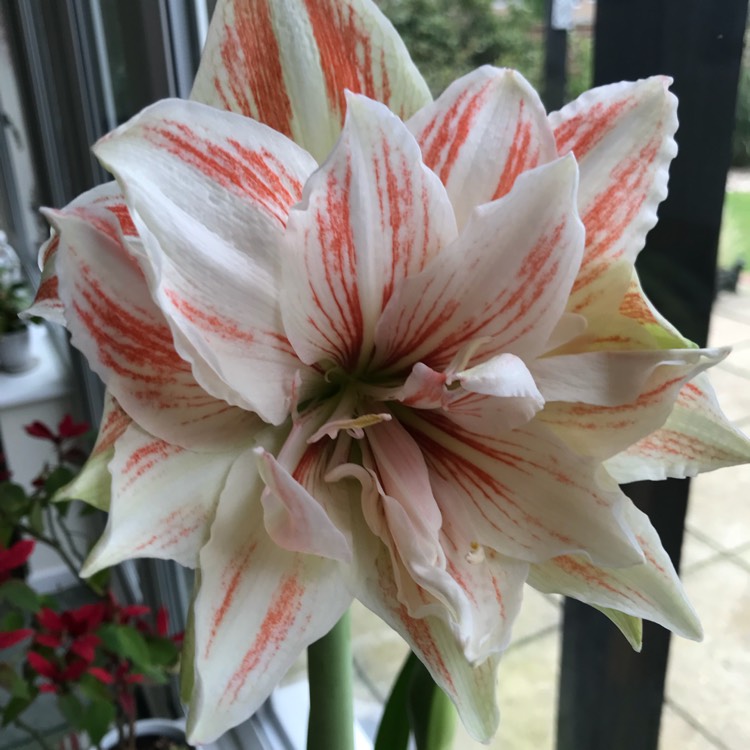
<point x="475" y="554"/>
<point x="463" y="356"/>
<point x="355" y="427"/>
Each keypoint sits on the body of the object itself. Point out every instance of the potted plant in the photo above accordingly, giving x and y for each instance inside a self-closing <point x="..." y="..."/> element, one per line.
<point x="15" y="297"/>
<point x="93" y="657"/>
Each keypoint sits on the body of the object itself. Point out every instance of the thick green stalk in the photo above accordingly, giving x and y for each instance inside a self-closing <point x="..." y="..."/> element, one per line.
<point x="329" y="670"/>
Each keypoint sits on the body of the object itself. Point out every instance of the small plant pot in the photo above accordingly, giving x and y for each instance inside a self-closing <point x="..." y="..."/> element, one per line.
<point x="155" y="734"/>
<point x="154" y="730"/>
<point x="15" y="350"/>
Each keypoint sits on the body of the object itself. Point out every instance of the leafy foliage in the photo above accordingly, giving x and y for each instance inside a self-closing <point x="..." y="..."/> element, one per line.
<point x="447" y="39"/>
<point x="741" y="138"/>
<point x="92" y="658"/>
<point x="14" y="298"/>
<point x="580" y="62"/>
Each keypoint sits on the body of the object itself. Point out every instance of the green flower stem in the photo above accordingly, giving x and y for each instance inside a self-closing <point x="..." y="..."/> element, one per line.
<point x="441" y="729"/>
<point x="52" y="543"/>
<point x="73" y="552"/>
<point x="329" y="670"/>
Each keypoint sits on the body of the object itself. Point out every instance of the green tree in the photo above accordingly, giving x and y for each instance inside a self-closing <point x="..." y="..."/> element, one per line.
<point x="447" y="38"/>
<point x="741" y="139"/>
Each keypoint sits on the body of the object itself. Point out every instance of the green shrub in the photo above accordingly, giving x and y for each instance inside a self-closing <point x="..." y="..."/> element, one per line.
<point x="741" y="138"/>
<point x="447" y="38"/>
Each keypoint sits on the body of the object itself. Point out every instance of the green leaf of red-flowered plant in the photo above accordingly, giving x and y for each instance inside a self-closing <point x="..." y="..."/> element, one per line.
<point x="13" y="500"/>
<point x="98" y="717"/>
<point x="12" y="621"/>
<point x="163" y="651"/>
<point x="97" y="686"/>
<point x="101" y="676"/>
<point x="57" y="479"/>
<point x="15" y="707"/>
<point x="20" y="595"/>
<point x="100" y="580"/>
<point x="7" y="675"/>
<point x="12" y="682"/>
<point x="63" y="507"/>
<point x="36" y="518"/>
<point x="126" y="642"/>
<point x="72" y="709"/>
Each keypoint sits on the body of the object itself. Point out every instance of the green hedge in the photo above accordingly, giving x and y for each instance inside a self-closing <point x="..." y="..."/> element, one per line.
<point x="741" y="140"/>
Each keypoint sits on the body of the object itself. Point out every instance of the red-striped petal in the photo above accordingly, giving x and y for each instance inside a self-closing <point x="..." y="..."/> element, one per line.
<point x="371" y="216"/>
<point x="528" y="495"/>
<point x="212" y="191"/>
<point x="439" y="567"/>
<point x="484" y="130"/>
<point x="622" y="138"/>
<point x="114" y="321"/>
<point x="616" y="378"/>
<point x="601" y="431"/>
<point x="297" y="500"/>
<point x="187" y="486"/>
<point x="651" y="590"/>
<point x="287" y="64"/>
<point x="503" y="284"/>
<point x="696" y="437"/>
<point x="93" y="484"/>
<point x="254" y="593"/>
<point x="470" y="687"/>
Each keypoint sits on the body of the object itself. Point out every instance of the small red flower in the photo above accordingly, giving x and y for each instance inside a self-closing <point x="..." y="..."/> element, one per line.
<point x="86" y="618"/>
<point x="127" y="703"/>
<point x="50" y="620"/>
<point x="9" y="638"/>
<point x="162" y="622"/>
<point x="50" y="640"/>
<point x="40" y="430"/>
<point x="74" y="670"/>
<point x="85" y="647"/>
<point x="70" y="429"/>
<point x="101" y="674"/>
<point x="14" y="557"/>
<point x="131" y="611"/>
<point x="43" y="667"/>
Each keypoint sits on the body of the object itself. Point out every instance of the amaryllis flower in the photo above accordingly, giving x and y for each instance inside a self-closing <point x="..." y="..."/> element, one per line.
<point x="358" y="344"/>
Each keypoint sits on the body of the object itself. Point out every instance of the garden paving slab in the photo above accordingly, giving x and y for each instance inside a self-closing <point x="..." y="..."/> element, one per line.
<point x="709" y="680"/>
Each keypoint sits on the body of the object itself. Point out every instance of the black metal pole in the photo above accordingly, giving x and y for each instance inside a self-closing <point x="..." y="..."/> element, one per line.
<point x="555" y="63"/>
<point x="610" y="696"/>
